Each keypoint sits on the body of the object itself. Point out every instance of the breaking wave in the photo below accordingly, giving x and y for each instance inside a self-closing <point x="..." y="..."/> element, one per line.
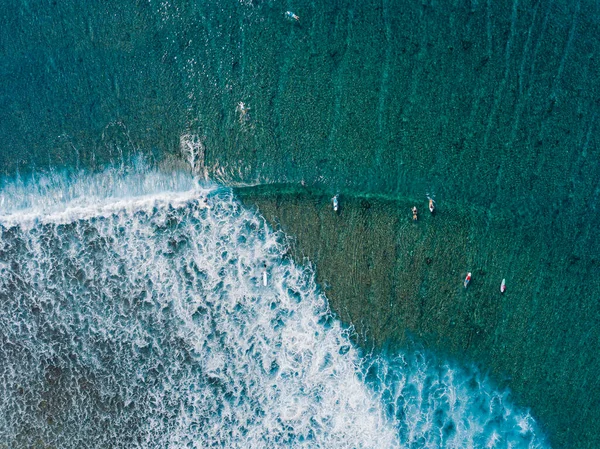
<point x="143" y="309"/>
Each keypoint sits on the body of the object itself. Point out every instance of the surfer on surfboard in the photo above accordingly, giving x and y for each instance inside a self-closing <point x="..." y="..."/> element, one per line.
<point x="467" y="279"/>
<point x="503" y="286"/>
<point x="431" y="205"/>
<point x="414" y="212"/>
<point x="264" y="274"/>
<point x="291" y="15"/>
<point x="242" y="109"/>
<point x="336" y="202"/>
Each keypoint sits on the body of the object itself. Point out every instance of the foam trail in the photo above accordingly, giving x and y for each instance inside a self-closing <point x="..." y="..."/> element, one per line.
<point x="134" y="314"/>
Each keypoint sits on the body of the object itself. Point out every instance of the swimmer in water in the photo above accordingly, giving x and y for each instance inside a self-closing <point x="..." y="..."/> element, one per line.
<point x="291" y="15"/>
<point x="414" y="212"/>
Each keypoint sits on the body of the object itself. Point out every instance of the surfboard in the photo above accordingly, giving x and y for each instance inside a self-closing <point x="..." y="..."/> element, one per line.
<point x="336" y="203"/>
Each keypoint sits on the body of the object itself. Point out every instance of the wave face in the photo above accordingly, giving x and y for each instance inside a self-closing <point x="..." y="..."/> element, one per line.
<point x="134" y="313"/>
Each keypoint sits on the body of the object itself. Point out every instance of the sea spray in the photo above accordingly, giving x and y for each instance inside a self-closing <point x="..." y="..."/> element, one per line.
<point x="133" y="314"/>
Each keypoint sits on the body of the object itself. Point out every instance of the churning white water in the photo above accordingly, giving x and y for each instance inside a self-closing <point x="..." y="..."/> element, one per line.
<point x="134" y="313"/>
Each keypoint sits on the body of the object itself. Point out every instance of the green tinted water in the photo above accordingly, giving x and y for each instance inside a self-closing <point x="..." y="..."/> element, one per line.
<point x="490" y="107"/>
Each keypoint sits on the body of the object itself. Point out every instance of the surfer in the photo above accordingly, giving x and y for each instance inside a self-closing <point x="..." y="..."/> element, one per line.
<point x="431" y="205"/>
<point x="264" y="274"/>
<point x="414" y="212"/>
<point x="336" y="202"/>
<point x="243" y="111"/>
<point x="467" y="279"/>
<point x="503" y="286"/>
<point x="291" y="15"/>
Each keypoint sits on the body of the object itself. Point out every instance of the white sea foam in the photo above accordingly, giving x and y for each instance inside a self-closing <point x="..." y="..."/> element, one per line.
<point x="133" y="315"/>
<point x="56" y="198"/>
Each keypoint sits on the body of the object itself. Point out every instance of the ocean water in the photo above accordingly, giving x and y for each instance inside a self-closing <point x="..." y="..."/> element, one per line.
<point x="144" y="309"/>
<point x="490" y="107"/>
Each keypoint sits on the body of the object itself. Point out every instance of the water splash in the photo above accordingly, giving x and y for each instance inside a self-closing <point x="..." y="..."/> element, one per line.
<point x="134" y="314"/>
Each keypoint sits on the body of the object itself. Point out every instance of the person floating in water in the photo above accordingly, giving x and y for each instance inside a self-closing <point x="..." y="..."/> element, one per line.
<point x="431" y="205"/>
<point x="414" y="212"/>
<point x="291" y="15"/>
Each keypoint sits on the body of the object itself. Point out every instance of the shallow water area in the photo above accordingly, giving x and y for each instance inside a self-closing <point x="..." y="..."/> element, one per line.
<point x="134" y="312"/>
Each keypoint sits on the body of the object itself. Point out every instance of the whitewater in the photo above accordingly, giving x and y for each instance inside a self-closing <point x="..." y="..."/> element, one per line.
<point x="133" y="314"/>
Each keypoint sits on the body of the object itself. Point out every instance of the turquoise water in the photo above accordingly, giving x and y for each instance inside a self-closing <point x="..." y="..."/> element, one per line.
<point x="489" y="107"/>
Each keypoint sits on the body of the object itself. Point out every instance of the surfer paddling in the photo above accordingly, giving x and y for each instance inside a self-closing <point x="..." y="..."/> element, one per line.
<point x="290" y="15"/>
<point x="467" y="279"/>
<point x="431" y="205"/>
<point x="336" y="202"/>
<point x="414" y="212"/>
<point x="503" y="286"/>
